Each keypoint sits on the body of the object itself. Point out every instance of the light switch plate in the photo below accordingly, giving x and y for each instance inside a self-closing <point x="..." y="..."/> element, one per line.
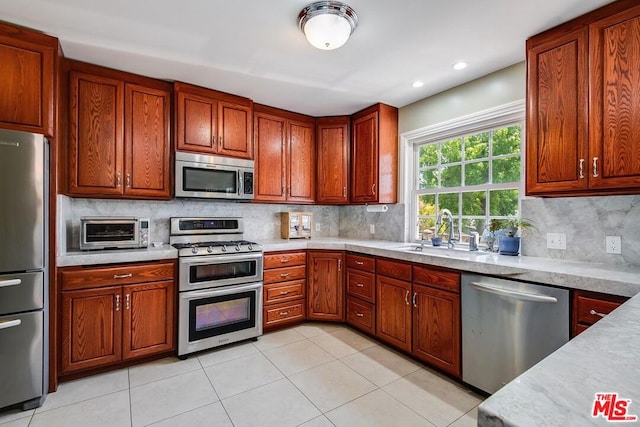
<point x="614" y="245"/>
<point x="372" y="228"/>
<point x="556" y="241"/>
<point x="318" y="226"/>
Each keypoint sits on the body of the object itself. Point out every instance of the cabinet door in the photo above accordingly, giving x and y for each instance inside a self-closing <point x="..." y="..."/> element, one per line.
<point x="333" y="160"/>
<point x="147" y="151"/>
<point x="301" y="166"/>
<point x="148" y="318"/>
<point x="27" y="80"/>
<point x="364" y="159"/>
<point x="270" y="136"/>
<point x="196" y="123"/>
<point x="96" y="132"/>
<point x="91" y="328"/>
<point x="615" y="110"/>
<point x="393" y="311"/>
<point x="557" y="114"/>
<point x="234" y="129"/>
<point x="436" y="328"/>
<point x="325" y="281"/>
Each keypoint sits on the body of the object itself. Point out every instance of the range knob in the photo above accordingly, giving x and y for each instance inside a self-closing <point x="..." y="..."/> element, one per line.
<point x="238" y="248"/>
<point x="250" y="247"/>
<point x="194" y="249"/>
<point x="210" y="249"/>
<point x="224" y="248"/>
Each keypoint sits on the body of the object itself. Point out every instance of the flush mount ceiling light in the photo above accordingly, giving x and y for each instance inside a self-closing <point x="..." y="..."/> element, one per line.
<point x="327" y="24"/>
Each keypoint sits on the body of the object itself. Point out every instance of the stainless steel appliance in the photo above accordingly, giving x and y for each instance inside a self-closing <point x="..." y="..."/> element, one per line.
<point x="213" y="177"/>
<point x="23" y="269"/>
<point x="113" y="232"/>
<point x="220" y="283"/>
<point x="507" y="327"/>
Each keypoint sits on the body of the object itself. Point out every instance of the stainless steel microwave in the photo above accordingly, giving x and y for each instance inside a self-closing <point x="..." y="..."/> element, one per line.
<point x="213" y="177"/>
<point x="113" y="233"/>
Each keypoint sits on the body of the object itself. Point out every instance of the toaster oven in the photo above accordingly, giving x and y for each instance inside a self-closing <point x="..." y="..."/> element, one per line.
<point x="113" y="233"/>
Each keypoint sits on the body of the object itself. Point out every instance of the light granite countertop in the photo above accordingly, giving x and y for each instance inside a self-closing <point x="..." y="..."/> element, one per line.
<point x="560" y="390"/>
<point x="611" y="279"/>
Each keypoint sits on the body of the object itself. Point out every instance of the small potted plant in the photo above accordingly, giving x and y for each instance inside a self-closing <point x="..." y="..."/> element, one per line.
<point x="508" y="232"/>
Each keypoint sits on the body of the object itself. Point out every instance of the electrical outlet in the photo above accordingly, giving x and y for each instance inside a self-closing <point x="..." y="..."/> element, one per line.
<point x="614" y="245"/>
<point x="556" y="241"/>
<point x="318" y="226"/>
<point x="372" y="228"/>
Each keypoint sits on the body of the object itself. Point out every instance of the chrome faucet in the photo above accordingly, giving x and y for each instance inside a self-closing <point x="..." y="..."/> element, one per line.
<point x="445" y="215"/>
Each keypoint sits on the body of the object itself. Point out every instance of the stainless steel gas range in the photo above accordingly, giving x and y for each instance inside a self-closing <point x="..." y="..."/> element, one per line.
<point x="219" y="283"/>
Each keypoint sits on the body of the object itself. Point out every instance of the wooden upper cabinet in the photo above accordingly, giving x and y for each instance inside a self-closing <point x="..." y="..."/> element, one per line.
<point x="27" y="76"/>
<point x="583" y="113"/>
<point x="557" y="114"/>
<point x="615" y="101"/>
<point x="147" y="153"/>
<point x="332" y="137"/>
<point x="96" y="135"/>
<point x="325" y="282"/>
<point x="119" y="134"/>
<point x="285" y="156"/>
<point x="212" y="122"/>
<point x="374" y="155"/>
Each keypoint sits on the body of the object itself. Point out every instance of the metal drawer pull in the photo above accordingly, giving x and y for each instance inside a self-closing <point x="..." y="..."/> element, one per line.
<point x="339" y="265"/>
<point x="595" y="167"/>
<point x="122" y="276"/>
<point x="581" y="168"/>
<point x="117" y="302"/>
<point x="359" y="314"/>
<point x="129" y="180"/>
<point x="415" y="294"/>
<point x="285" y="274"/>
<point x="595" y="313"/>
<point x="360" y="262"/>
<point x="284" y="313"/>
<point x="284" y="292"/>
<point x="373" y="189"/>
<point x="10" y="324"/>
<point x="127" y="302"/>
<point x="10" y="282"/>
<point x="283" y="260"/>
<point x="406" y="298"/>
<point x="360" y="285"/>
<point x="344" y="191"/>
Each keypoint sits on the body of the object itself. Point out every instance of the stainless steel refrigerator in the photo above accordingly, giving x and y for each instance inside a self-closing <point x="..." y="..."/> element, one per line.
<point x="24" y="166"/>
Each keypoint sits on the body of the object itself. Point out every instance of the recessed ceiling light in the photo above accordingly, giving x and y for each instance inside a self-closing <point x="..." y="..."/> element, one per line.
<point x="461" y="65"/>
<point x="417" y="83"/>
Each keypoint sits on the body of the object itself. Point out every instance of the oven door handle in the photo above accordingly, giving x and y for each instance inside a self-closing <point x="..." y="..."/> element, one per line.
<point x="222" y="290"/>
<point x="218" y="259"/>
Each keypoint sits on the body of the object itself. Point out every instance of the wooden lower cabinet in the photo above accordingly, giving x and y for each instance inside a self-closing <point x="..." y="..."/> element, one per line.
<point x="325" y="285"/>
<point x="361" y="315"/>
<point x="436" y="328"/>
<point x="589" y="307"/>
<point x="110" y="323"/>
<point x="393" y="312"/>
<point x="284" y="289"/>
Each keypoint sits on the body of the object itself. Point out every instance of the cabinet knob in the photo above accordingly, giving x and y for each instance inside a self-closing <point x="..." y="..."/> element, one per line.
<point x="117" y="302"/>
<point x="128" y="180"/>
<point x="373" y="189"/>
<point x="406" y="298"/>
<point x="344" y="191"/>
<point x="359" y="314"/>
<point x="415" y="294"/>
<point x="220" y="140"/>
<point x="117" y="179"/>
<point x="581" y="168"/>
<point x="284" y="313"/>
<point x="285" y="260"/>
<point x="595" y="167"/>
<point x="127" y="302"/>
<point x="360" y="285"/>
<point x="122" y="276"/>
<point x="339" y="265"/>
<point x="285" y="274"/>
<point x="360" y="262"/>
<point x="284" y="292"/>
<point x="595" y="313"/>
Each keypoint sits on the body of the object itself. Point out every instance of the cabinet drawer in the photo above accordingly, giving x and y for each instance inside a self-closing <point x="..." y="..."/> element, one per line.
<point x="92" y="277"/>
<point x="282" y="313"/>
<point x="361" y="284"/>
<point x="287" y="291"/>
<point x="361" y="315"/>
<point x="361" y="262"/>
<point x="284" y="259"/>
<point x="396" y="269"/>
<point x="444" y="280"/>
<point x="285" y="274"/>
<point x="585" y="304"/>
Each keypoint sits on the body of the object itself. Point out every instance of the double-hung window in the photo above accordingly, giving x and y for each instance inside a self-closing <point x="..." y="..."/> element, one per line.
<point x="473" y="170"/>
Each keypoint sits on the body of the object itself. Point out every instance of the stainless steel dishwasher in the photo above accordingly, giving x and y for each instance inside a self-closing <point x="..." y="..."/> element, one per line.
<point x="507" y="327"/>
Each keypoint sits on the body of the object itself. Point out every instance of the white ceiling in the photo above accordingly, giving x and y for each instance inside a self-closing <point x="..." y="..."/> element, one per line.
<point x="254" y="48"/>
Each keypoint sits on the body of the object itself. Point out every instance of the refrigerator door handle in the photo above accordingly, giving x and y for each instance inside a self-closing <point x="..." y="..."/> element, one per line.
<point x="10" y="324"/>
<point x="10" y="282"/>
<point x="514" y="294"/>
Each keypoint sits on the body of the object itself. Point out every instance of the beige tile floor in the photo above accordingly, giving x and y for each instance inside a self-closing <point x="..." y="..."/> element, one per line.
<point x="308" y="375"/>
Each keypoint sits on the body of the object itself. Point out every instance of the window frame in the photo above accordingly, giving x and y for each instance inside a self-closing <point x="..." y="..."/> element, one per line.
<point x="490" y="119"/>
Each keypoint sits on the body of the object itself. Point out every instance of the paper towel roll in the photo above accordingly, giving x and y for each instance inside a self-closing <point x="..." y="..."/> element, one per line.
<point x="377" y="208"/>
